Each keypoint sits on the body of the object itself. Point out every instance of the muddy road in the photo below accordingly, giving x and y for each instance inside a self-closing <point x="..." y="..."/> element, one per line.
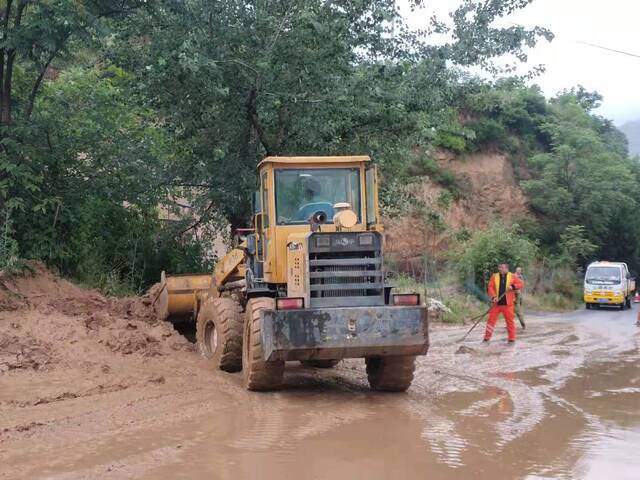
<point x="562" y="403"/>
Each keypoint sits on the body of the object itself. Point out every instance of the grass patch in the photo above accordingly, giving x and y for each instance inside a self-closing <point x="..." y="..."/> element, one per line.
<point x="559" y="294"/>
<point x="109" y="284"/>
<point x="462" y="306"/>
<point x="551" y="302"/>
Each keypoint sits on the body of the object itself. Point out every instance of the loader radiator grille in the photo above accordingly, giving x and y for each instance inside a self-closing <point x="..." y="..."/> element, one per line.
<point x="346" y="278"/>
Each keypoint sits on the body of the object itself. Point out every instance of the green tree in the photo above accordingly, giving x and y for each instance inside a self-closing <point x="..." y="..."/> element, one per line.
<point x="486" y="249"/>
<point x="33" y="35"/>
<point x="239" y="80"/>
<point x="575" y="246"/>
<point x="96" y="215"/>
<point x="584" y="179"/>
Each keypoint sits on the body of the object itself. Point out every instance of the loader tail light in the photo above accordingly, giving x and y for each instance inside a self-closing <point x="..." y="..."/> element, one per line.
<point x="289" y="303"/>
<point x="406" y="299"/>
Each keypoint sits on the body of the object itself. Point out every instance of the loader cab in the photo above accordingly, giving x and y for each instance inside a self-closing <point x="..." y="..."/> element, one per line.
<point x="293" y="189"/>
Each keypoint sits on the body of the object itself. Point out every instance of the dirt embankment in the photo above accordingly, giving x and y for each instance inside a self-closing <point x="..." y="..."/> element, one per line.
<point x="86" y="343"/>
<point x="491" y="192"/>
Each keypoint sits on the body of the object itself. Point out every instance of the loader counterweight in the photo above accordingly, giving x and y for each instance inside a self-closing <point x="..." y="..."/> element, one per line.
<point x="349" y="332"/>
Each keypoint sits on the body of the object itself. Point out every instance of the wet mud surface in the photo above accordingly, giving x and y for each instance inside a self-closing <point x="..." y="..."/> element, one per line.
<point x="564" y="402"/>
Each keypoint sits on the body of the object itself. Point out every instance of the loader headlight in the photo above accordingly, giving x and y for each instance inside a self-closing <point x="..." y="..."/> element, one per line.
<point x="365" y="240"/>
<point x="406" y="299"/>
<point x="289" y="303"/>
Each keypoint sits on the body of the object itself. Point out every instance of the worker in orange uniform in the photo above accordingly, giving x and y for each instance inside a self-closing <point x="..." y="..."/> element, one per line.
<point x="502" y="290"/>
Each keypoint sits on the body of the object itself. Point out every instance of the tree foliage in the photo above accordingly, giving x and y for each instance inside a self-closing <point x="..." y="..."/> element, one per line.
<point x="574" y="245"/>
<point x="110" y="108"/>
<point x="585" y="178"/>
<point x="240" y="80"/>
<point x="486" y="249"/>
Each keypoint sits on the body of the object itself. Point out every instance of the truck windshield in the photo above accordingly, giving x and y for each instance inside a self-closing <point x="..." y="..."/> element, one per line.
<point x="302" y="192"/>
<point x="603" y="275"/>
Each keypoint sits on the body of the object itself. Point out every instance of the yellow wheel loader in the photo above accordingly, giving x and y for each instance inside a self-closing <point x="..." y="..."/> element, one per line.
<point x="306" y="283"/>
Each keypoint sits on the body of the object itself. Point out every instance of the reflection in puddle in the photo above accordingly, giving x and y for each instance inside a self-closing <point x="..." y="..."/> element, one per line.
<point x="612" y="455"/>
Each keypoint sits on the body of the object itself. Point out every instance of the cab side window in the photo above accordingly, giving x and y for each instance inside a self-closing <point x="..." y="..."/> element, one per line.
<point x="371" y="200"/>
<point x="264" y="206"/>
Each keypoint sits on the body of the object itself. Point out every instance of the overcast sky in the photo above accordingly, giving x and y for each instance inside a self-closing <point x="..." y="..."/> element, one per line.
<point x="613" y="24"/>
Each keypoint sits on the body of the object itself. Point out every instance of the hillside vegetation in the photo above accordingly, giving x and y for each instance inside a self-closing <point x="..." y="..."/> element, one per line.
<point x="112" y="108"/>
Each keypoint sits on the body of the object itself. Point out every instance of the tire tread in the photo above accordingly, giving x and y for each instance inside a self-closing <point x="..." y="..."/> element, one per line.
<point x="226" y="315"/>
<point x="390" y="374"/>
<point x="259" y="375"/>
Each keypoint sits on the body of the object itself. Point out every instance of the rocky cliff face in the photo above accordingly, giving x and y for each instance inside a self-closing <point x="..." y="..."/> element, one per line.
<point x="491" y="192"/>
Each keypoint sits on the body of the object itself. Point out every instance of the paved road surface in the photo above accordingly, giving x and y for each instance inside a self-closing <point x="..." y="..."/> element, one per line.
<point x="564" y="402"/>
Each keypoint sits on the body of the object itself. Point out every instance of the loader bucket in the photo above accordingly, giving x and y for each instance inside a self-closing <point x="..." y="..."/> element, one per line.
<point x="178" y="296"/>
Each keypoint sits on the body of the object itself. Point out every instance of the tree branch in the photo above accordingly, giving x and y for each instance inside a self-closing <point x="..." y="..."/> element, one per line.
<point x="283" y="130"/>
<point x="252" y="116"/>
<point x="121" y="10"/>
<point x="5" y="27"/>
<point x="200" y="221"/>
<point x="190" y="185"/>
<point x="5" y="116"/>
<point x="38" y="82"/>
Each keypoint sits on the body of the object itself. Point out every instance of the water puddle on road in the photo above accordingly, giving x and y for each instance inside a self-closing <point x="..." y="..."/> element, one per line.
<point x="563" y="403"/>
<point x="525" y="412"/>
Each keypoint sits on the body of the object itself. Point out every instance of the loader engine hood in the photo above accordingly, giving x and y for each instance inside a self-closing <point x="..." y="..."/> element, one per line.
<point x="336" y="269"/>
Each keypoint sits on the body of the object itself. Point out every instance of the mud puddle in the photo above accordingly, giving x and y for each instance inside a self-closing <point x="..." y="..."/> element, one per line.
<point x="563" y="403"/>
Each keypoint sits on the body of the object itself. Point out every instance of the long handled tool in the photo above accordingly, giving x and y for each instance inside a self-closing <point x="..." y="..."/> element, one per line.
<point x="480" y="317"/>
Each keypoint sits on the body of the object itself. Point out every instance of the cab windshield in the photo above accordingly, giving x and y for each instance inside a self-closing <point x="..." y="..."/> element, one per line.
<point x="302" y="192"/>
<point x="603" y="275"/>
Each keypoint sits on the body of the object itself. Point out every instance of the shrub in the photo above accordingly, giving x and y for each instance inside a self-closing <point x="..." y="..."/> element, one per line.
<point x="487" y="132"/>
<point x="488" y="248"/>
<point x="451" y="141"/>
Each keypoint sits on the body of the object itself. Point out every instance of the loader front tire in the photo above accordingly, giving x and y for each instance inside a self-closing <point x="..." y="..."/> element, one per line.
<point x="219" y="333"/>
<point x="390" y="374"/>
<point x="259" y="375"/>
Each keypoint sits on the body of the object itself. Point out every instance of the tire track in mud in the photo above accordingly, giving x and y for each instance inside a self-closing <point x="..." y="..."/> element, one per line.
<point x="265" y="426"/>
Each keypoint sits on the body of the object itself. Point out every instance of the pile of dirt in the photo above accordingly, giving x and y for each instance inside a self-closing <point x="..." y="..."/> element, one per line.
<point x="46" y="321"/>
<point x="23" y="352"/>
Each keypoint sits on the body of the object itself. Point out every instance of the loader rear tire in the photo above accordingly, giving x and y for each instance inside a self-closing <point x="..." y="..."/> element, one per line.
<point x="259" y="375"/>
<point x="319" y="363"/>
<point x="219" y="333"/>
<point x="390" y="374"/>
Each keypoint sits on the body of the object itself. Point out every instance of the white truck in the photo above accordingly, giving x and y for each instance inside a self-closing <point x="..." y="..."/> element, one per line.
<point x="608" y="283"/>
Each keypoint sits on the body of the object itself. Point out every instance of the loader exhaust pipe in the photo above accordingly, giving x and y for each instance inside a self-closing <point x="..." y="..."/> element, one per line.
<point x="316" y="219"/>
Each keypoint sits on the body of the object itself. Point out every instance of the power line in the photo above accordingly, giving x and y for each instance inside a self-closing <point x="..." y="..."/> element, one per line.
<point x="593" y="45"/>
<point x="608" y="49"/>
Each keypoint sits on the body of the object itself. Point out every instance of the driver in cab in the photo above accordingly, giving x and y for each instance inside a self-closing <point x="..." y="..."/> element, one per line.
<point x="312" y="204"/>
